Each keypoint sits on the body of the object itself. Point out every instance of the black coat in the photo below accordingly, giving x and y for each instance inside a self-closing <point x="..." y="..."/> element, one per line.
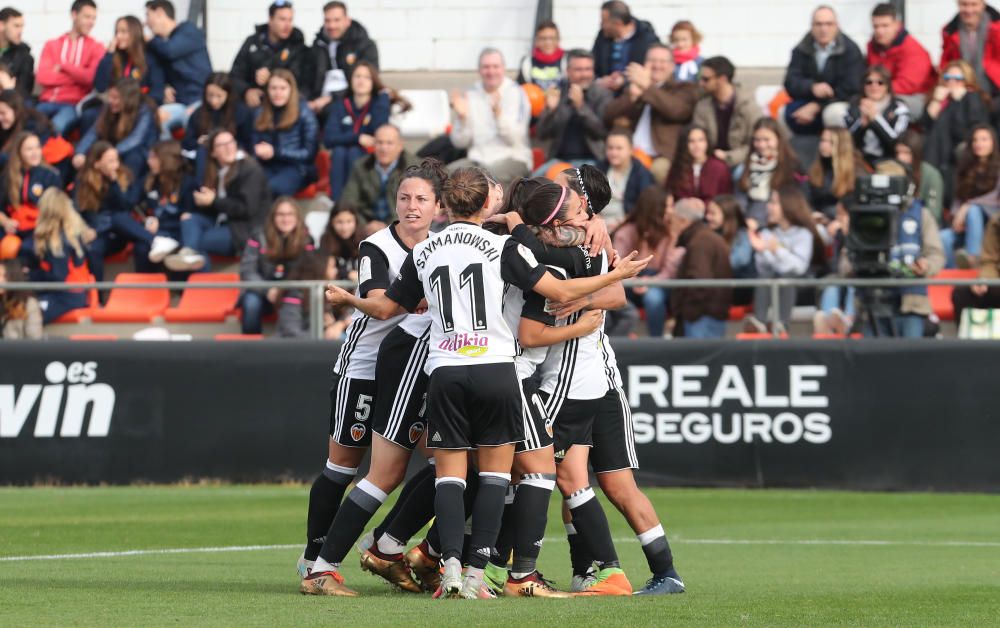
<point x="247" y="199"/>
<point x="258" y="52"/>
<point x="354" y="46"/>
<point x="843" y="70"/>
<point x="644" y="37"/>
<point x="22" y="67"/>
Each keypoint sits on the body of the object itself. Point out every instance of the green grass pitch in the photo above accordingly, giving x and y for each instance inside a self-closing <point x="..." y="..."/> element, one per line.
<point x="748" y="558"/>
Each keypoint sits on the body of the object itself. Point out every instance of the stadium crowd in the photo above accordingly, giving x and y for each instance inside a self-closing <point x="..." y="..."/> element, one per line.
<point x="139" y="146"/>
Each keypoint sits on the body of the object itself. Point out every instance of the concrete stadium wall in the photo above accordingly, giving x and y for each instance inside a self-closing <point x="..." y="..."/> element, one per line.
<point x="446" y="35"/>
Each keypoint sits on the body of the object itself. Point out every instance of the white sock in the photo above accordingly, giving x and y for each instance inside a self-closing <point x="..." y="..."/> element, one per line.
<point x="517" y="575"/>
<point x="650" y="535"/>
<point x="321" y="565"/>
<point x="390" y="546"/>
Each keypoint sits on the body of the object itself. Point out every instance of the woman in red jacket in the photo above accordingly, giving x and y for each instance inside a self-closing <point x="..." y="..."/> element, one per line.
<point x="694" y="171"/>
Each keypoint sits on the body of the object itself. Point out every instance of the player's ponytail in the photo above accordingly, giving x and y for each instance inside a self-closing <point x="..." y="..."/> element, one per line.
<point x="465" y="192"/>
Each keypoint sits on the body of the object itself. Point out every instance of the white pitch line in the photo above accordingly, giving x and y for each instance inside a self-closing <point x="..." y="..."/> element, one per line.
<point x="677" y="541"/>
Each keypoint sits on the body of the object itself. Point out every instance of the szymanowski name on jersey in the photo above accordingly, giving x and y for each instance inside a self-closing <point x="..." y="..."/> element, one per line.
<point x="467" y="238"/>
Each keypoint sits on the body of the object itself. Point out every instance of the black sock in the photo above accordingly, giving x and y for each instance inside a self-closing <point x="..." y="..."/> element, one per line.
<point x="531" y="513"/>
<point x="487" y="511"/>
<point x="424" y="475"/>
<point x="592" y="525"/>
<point x="415" y="513"/>
<point x="354" y="514"/>
<point x="657" y="550"/>
<point x="579" y="555"/>
<point x="449" y="511"/>
<point x="471" y="491"/>
<point x="505" y="540"/>
<point x="324" y="500"/>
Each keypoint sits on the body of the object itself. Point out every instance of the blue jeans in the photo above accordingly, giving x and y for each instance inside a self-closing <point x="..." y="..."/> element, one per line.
<point x="971" y="240"/>
<point x="342" y="159"/>
<point x="123" y="230"/>
<point x="255" y="308"/>
<point x="285" y="179"/>
<point x="199" y="232"/>
<point x="705" y="327"/>
<point x="837" y="297"/>
<point x="63" y="115"/>
<point x="55" y="304"/>
<point x="907" y="326"/>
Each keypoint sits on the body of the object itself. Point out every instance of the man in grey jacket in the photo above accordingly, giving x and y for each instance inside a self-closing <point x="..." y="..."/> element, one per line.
<point x="572" y="122"/>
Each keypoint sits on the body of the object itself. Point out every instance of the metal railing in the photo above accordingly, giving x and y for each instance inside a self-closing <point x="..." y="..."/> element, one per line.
<point x="317" y="304"/>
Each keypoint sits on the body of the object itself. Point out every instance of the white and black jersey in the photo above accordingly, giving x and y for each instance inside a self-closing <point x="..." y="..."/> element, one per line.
<point x="381" y="258"/>
<point x="463" y="271"/>
<point x="517" y="305"/>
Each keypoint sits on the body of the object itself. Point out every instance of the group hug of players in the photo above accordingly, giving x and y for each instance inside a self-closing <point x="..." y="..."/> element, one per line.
<point x="486" y="352"/>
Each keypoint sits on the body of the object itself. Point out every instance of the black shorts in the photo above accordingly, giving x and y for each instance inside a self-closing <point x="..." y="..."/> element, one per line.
<point x="574" y="423"/>
<point x="470" y="406"/>
<point x="614" y="439"/>
<point x="351" y="402"/>
<point x="537" y="425"/>
<point x="402" y="388"/>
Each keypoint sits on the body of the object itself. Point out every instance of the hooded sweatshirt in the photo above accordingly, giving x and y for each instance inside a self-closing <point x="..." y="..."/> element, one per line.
<point x="77" y="59"/>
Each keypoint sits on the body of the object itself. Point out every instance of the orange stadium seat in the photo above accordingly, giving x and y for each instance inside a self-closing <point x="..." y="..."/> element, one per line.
<point x="93" y="337"/>
<point x="757" y="336"/>
<point x="940" y="296"/>
<point x="739" y="312"/>
<point x="205" y="305"/>
<point x="79" y="315"/>
<point x="238" y="337"/>
<point x="134" y="305"/>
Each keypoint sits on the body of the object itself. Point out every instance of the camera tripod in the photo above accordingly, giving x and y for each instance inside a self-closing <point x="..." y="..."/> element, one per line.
<point x="875" y="305"/>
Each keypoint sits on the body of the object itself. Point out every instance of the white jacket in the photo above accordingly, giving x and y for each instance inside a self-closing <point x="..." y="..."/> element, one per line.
<point x="488" y="138"/>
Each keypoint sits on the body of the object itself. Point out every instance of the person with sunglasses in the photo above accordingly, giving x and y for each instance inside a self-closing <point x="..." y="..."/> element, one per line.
<point x="877" y="118"/>
<point x="726" y="112"/>
<point x="900" y="53"/>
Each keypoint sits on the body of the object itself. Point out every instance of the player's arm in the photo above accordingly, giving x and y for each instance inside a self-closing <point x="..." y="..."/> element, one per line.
<point x="376" y="304"/>
<point x="572" y="289"/>
<point x="379" y="298"/>
<point x="532" y="333"/>
<point x="608" y="298"/>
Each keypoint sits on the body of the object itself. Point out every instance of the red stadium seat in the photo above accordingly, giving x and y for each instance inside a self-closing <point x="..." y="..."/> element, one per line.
<point x="84" y="313"/>
<point x="538" y="156"/>
<point x="940" y="296"/>
<point x="739" y="312"/>
<point x="134" y="305"/>
<point x="323" y="168"/>
<point x="205" y="305"/>
<point x="93" y="337"/>
<point x="238" y="337"/>
<point x="755" y="336"/>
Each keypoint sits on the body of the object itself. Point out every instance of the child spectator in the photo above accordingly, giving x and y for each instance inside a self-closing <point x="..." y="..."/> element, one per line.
<point x="20" y="313"/>
<point x="225" y="208"/>
<point x="877" y="118"/>
<point x="285" y="136"/>
<point x="927" y="178"/>
<point x="342" y="239"/>
<point x="67" y="67"/>
<point x="789" y="247"/>
<point x="276" y="44"/>
<point x="220" y="108"/>
<point x="16" y="54"/>
<point x="626" y="174"/>
<point x="167" y="190"/>
<point x="25" y="178"/>
<point x="128" y="122"/>
<point x="270" y="255"/>
<point x="350" y="127"/>
<point x="127" y="58"/>
<point x="832" y="175"/>
<point x="546" y="65"/>
<point x="61" y="253"/>
<point x="977" y="196"/>
<point x="725" y="215"/>
<point x="182" y="52"/>
<point x="771" y="164"/>
<point x="695" y="171"/>
<point x="107" y="196"/>
<point x="645" y="230"/>
<point x="685" y="42"/>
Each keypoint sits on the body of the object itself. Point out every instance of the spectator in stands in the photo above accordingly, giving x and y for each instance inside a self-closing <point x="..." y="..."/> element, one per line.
<point x="626" y="174"/>
<point x="220" y="108"/>
<point x="67" y="67"/>
<point x="271" y="254"/>
<point x="286" y="136"/>
<point x="825" y="68"/>
<point x="61" y="254"/>
<point x="957" y="104"/>
<point x="15" y="53"/>
<point x="725" y="216"/>
<point x="294" y="304"/>
<point x="789" y="247"/>
<point x="877" y="118"/>
<point x="546" y="65"/>
<point x="977" y="197"/>
<point x="20" y="314"/>
<point x="106" y="194"/>
<point x="654" y="107"/>
<point x="685" y="44"/>
<point x="981" y="296"/>
<point x="832" y="174"/>
<point x="726" y="112"/>
<point x="167" y="191"/>
<point x="276" y="44"/>
<point x="25" y="177"/>
<point x="770" y="164"/>
<point x="930" y="185"/>
<point x="623" y="39"/>
<point x="339" y="45"/>
<point x="700" y="312"/>
<point x="16" y="117"/>
<point x="342" y="239"/>
<point x="226" y="207"/>
<point x="350" y="127"/>
<point x="573" y="120"/>
<point x="371" y="188"/>
<point x="181" y="51"/>
<point x="491" y="121"/>
<point x="899" y="52"/>
<point x="128" y="121"/>
<point x="646" y="230"/>
<point x="695" y="171"/>
<point x="127" y="58"/>
<point x="973" y="35"/>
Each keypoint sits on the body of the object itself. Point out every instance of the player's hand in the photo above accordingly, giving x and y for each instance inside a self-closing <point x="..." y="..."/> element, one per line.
<point x="597" y="236"/>
<point x="568" y="308"/>
<point x="336" y="295"/>
<point x="511" y="219"/>
<point x="591" y="321"/>
<point x="421" y="307"/>
<point x="629" y="266"/>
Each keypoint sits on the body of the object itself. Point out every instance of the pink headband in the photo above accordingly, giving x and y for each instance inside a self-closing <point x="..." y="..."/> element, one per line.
<point x="562" y="197"/>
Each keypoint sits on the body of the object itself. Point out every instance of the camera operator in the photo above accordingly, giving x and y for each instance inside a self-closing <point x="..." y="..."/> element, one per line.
<point x="917" y="252"/>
